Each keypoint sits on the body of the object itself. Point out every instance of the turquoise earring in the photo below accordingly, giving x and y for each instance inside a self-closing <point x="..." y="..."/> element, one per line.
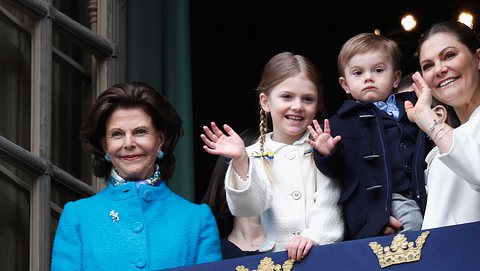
<point x="107" y="157"/>
<point x="160" y="154"/>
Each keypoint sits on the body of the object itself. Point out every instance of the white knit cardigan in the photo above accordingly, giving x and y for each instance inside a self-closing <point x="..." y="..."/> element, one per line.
<point x="298" y="200"/>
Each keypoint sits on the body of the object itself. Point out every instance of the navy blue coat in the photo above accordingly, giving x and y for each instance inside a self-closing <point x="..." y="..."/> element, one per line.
<point x="361" y="162"/>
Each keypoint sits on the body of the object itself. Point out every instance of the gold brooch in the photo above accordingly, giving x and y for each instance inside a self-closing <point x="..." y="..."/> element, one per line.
<point x="400" y="251"/>
<point x="267" y="264"/>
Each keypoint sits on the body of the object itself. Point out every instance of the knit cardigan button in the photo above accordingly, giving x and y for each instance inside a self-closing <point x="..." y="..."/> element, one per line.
<point x="296" y="195"/>
<point x="290" y="154"/>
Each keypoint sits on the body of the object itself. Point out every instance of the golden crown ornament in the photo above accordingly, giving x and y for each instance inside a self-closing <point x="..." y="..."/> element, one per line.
<point x="267" y="264"/>
<point x="400" y="251"/>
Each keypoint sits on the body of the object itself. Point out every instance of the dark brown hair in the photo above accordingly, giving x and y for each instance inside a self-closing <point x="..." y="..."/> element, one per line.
<point x="462" y="32"/>
<point x="131" y="95"/>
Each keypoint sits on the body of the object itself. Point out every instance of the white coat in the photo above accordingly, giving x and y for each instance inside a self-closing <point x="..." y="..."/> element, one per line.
<point x="299" y="200"/>
<point x="453" y="178"/>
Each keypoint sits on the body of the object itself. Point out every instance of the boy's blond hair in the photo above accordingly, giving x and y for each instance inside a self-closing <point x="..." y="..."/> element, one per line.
<point x="364" y="42"/>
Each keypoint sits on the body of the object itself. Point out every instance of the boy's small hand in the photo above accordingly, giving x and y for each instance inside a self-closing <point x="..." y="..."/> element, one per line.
<point x="322" y="141"/>
<point x="393" y="226"/>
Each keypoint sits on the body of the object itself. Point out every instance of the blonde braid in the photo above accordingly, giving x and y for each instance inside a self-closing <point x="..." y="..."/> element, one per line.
<point x="263" y="134"/>
<point x="263" y="129"/>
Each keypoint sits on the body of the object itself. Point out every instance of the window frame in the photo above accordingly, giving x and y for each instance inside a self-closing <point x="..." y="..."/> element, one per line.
<point x="105" y="40"/>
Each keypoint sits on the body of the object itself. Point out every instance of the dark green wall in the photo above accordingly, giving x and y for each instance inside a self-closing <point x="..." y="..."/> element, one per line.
<point x="158" y="54"/>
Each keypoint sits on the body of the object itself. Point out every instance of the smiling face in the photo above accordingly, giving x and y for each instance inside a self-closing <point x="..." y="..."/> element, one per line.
<point x="292" y="104"/>
<point x="451" y="70"/>
<point x="133" y="143"/>
<point x="370" y="76"/>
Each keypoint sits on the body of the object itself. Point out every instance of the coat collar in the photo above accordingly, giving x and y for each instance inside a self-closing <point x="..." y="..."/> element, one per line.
<point x="274" y="146"/>
<point x="130" y="190"/>
<point x="352" y="105"/>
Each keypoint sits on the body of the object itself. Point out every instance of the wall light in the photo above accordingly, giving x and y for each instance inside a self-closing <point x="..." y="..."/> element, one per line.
<point x="408" y="22"/>
<point x="466" y="18"/>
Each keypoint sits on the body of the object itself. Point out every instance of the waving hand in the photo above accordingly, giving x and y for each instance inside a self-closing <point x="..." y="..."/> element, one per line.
<point x="228" y="144"/>
<point x="322" y="141"/>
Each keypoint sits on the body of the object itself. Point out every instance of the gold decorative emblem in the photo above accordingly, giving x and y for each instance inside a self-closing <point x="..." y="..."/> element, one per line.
<point x="267" y="264"/>
<point x="400" y="251"/>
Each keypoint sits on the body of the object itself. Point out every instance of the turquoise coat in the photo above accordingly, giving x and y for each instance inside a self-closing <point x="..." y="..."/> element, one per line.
<point x="125" y="228"/>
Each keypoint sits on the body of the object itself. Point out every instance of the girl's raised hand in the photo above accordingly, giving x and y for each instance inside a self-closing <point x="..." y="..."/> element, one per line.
<point x="229" y="145"/>
<point x="322" y="141"/>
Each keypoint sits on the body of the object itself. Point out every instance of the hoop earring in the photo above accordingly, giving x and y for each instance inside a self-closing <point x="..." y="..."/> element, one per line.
<point x="107" y="157"/>
<point x="160" y="154"/>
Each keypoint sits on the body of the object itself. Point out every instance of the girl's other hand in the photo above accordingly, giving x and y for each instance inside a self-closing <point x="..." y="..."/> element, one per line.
<point x="299" y="247"/>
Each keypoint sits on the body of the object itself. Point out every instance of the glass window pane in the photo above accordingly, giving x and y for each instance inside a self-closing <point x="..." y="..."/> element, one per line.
<point x="62" y="194"/>
<point x="72" y="96"/>
<point x="14" y="224"/>
<point x="76" y="10"/>
<point x="54" y="218"/>
<point x="15" y="83"/>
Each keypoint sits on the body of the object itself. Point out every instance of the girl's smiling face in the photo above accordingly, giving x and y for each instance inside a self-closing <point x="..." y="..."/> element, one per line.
<point x="292" y="105"/>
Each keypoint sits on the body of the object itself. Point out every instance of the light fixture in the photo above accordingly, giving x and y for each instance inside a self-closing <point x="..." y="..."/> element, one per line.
<point x="408" y="22"/>
<point x="466" y="18"/>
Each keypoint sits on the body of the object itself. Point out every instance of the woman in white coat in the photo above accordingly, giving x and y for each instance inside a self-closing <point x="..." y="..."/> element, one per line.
<point x="449" y="56"/>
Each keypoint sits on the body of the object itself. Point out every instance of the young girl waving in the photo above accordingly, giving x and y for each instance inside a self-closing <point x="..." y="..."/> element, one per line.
<point x="276" y="177"/>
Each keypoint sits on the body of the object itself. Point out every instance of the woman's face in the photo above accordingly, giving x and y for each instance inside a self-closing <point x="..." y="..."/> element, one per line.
<point x="133" y="143"/>
<point x="450" y="69"/>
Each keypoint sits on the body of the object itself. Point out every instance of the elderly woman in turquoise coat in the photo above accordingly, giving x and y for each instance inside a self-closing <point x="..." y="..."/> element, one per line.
<point x="136" y="222"/>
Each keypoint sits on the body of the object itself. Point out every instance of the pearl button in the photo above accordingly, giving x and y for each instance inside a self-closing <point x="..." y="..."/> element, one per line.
<point x="291" y="154"/>
<point x="297" y="232"/>
<point x="296" y="195"/>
